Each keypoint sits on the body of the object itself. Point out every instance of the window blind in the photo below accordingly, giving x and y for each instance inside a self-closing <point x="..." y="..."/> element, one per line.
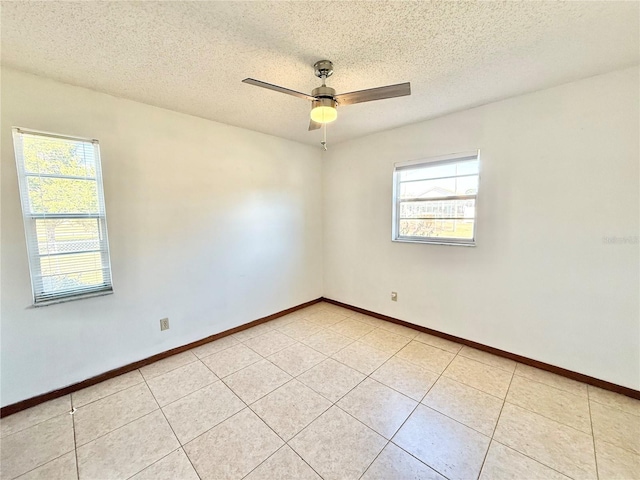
<point x="64" y="211"/>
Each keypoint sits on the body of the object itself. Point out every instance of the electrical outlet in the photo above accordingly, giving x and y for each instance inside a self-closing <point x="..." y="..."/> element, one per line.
<point x="394" y="296"/>
<point x="164" y="324"/>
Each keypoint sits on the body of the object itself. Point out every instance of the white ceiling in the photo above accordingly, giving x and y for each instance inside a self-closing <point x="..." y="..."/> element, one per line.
<point x="192" y="56"/>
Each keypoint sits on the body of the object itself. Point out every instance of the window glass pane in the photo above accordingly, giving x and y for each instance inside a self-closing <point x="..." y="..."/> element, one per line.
<point x="444" y="187"/>
<point x="468" y="168"/>
<point x="66" y="235"/>
<point x="421" y="172"/>
<point x="463" y="209"/>
<point x="434" y="228"/>
<point x="57" y="156"/>
<point x="62" y="195"/>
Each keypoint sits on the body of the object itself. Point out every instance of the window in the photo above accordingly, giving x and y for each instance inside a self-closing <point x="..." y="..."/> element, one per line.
<point x="435" y="200"/>
<point x="64" y="215"/>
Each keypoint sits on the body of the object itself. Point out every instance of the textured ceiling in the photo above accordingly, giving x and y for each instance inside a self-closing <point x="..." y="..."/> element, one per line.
<point x="192" y="56"/>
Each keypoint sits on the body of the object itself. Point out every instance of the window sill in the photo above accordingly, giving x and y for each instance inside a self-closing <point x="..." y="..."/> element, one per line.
<point x="72" y="299"/>
<point x="431" y="242"/>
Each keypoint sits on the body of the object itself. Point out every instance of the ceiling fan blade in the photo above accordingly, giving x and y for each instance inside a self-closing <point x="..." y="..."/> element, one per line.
<point x="314" y="125"/>
<point x="276" y="88"/>
<point x="380" y="93"/>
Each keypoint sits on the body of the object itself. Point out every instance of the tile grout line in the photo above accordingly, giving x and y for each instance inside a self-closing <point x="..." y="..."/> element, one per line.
<point x="495" y="427"/>
<point x="625" y="448"/>
<point x="153" y="463"/>
<point x="549" y="418"/>
<point x="219" y="351"/>
<point x="606" y="405"/>
<point x="324" y="328"/>
<point x="75" y="443"/>
<point x="39" y="466"/>
<point x="547" y="384"/>
<point x="171" y="427"/>
<point x="209" y="429"/>
<point x="474" y="388"/>
<point x="34" y="425"/>
<point x="117" y="428"/>
<point x="263" y="461"/>
<point x="220" y="377"/>
<point x="111" y="394"/>
<point x="512" y="372"/>
<point x="294" y="345"/>
<point x="593" y="437"/>
<point x="551" y="386"/>
<point x="333" y="353"/>
<point x="531" y="458"/>
<point x="171" y="369"/>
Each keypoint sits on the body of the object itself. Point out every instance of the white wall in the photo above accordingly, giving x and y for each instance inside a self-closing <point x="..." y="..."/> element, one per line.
<point x="210" y="225"/>
<point x="559" y="173"/>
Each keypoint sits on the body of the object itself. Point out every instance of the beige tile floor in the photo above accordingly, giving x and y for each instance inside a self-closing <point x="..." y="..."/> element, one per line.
<point x="328" y="393"/>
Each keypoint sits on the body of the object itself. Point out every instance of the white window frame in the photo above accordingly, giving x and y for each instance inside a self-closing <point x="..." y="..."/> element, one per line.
<point x="39" y="295"/>
<point x="443" y="159"/>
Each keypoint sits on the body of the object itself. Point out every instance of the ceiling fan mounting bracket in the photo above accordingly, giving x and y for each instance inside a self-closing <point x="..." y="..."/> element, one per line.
<point x="323" y="68"/>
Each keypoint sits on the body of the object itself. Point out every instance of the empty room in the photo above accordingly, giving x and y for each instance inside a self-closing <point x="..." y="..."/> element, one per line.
<point x="320" y="240"/>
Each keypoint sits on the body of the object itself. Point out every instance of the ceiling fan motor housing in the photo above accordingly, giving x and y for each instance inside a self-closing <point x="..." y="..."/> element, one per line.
<point x="323" y="92"/>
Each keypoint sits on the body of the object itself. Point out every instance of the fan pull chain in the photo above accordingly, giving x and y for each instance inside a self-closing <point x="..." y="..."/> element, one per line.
<point x="324" y="137"/>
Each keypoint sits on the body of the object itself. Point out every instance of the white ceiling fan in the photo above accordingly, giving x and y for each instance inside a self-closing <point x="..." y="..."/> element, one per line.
<point x="324" y="100"/>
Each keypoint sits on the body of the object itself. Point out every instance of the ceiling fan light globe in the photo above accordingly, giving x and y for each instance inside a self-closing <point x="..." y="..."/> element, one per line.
<point x="324" y="114"/>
